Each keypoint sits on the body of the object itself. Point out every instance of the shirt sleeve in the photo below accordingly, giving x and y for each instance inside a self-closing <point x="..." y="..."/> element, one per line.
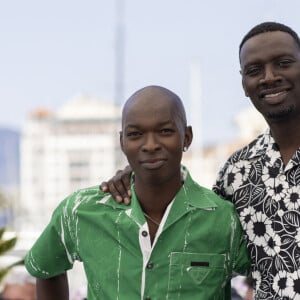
<point x="222" y="180"/>
<point x="53" y="252"/>
<point x="241" y="262"/>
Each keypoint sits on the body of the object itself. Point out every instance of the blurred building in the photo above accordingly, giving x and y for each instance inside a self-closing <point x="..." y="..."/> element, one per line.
<point x="62" y="151"/>
<point x="204" y="163"/>
<point x="9" y="159"/>
<point x="9" y="173"/>
<point x="74" y="147"/>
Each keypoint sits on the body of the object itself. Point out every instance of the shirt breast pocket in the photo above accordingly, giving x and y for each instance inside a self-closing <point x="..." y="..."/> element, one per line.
<point x="200" y="273"/>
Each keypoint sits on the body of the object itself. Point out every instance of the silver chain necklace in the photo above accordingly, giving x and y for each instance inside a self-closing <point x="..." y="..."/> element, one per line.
<point x="152" y="220"/>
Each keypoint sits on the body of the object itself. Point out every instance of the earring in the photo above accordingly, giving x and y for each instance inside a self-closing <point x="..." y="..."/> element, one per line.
<point x="185" y="148"/>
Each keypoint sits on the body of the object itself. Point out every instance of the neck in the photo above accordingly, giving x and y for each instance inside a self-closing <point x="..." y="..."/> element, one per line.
<point x="155" y="197"/>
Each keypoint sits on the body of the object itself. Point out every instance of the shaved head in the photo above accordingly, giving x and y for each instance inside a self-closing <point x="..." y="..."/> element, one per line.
<point x="155" y="95"/>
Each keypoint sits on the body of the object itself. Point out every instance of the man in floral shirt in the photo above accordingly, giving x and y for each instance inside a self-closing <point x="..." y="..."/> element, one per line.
<point x="263" y="178"/>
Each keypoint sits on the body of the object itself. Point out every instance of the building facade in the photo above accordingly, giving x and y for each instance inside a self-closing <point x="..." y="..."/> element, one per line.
<point x="74" y="147"/>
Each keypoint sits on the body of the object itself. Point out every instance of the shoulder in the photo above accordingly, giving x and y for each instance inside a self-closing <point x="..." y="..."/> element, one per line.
<point x="254" y="148"/>
<point x="244" y="155"/>
<point x="219" y="201"/>
<point x="239" y="164"/>
<point x="209" y="198"/>
<point x="83" y="198"/>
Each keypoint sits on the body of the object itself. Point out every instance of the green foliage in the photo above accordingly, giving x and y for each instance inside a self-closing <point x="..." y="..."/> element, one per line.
<point x="6" y="245"/>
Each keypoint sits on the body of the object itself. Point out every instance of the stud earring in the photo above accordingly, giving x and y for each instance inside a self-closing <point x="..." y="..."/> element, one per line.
<point x="185" y="148"/>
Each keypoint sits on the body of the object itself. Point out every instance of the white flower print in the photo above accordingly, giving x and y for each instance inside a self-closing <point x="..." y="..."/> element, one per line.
<point x="273" y="245"/>
<point x="273" y="155"/>
<point x="245" y="216"/>
<point x="292" y="199"/>
<point x="275" y="187"/>
<point x="280" y="284"/>
<point x="238" y="173"/>
<point x="293" y="284"/>
<point x="242" y="167"/>
<point x="269" y="175"/>
<point x="259" y="228"/>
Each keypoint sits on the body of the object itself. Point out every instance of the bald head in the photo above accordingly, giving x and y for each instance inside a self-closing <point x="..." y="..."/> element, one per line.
<point x="153" y="98"/>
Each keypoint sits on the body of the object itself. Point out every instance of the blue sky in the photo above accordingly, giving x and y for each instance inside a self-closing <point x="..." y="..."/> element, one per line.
<point x="54" y="50"/>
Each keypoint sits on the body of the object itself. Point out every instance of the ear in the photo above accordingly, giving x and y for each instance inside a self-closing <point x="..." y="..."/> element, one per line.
<point x="188" y="136"/>
<point x="121" y="141"/>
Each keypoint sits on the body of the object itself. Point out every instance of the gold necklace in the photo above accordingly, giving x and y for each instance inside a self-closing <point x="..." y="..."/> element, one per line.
<point x="152" y="220"/>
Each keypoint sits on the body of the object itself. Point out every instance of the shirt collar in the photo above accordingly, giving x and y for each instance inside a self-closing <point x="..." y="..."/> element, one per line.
<point x="260" y="145"/>
<point x="190" y="196"/>
<point x="194" y="195"/>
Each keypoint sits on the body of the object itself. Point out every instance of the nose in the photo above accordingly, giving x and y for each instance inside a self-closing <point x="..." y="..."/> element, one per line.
<point x="270" y="75"/>
<point x="151" y="143"/>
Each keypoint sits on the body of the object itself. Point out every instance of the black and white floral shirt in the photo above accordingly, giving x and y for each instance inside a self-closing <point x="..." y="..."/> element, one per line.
<point x="267" y="197"/>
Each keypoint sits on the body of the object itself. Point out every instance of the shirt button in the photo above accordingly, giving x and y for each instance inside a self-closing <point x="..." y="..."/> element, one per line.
<point x="150" y="266"/>
<point x="144" y="233"/>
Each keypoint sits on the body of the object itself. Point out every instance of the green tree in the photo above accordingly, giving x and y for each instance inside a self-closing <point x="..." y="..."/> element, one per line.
<point x="6" y="244"/>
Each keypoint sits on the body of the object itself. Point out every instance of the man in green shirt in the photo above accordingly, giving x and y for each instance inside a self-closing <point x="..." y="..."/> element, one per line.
<point x="176" y="240"/>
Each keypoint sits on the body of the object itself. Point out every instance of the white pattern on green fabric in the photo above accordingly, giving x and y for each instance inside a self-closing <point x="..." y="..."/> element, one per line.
<point x="35" y="265"/>
<point x="184" y="249"/>
<point x="62" y="237"/>
<point x="119" y="256"/>
<point x="104" y="199"/>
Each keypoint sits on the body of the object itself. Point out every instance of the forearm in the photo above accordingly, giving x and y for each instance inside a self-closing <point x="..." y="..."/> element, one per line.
<point x="53" y="288"/>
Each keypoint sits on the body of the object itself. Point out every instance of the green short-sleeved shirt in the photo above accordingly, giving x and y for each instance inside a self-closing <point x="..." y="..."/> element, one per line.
<point x="197" y="247"/>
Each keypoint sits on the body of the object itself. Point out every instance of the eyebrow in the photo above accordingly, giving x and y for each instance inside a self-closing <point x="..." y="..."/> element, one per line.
<point x="159" y="124"/>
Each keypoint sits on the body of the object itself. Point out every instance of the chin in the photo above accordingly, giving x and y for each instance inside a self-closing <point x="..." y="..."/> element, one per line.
<point x="280" y="115"/>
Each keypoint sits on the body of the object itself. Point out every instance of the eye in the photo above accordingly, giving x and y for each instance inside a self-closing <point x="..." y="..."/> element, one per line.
<point x="133" y="134"/>
<point x="284" y="63"/>
<point x="252" y="70"/>
<point x="167" y="131"/>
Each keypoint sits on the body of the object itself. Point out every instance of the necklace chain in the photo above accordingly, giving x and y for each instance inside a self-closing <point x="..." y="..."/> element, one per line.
<point x="152" y="220"/>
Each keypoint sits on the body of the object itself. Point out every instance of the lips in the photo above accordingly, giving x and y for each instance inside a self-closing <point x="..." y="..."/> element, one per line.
<point x="274" y="97"/>
<point x="152" y="164"/>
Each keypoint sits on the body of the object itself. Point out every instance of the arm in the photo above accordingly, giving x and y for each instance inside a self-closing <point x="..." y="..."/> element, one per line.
<point x="53" y="288"/>
<point x="119" y="185"/>
<point x="240" y="255"/>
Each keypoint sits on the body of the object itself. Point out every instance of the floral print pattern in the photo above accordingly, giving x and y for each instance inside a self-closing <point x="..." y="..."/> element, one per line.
<point x="267" y="197"/>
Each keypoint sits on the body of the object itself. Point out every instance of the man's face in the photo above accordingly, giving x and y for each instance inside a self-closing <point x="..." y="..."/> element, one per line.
<point x="270" y="68"/>
<point x="153" y="138"/>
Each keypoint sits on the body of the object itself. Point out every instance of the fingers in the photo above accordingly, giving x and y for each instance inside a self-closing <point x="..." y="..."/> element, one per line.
<point x="119" y="186"/>
<point x="104" y="186"/>
<point x="125" y="177"/>
<point x="108" y="186"/>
